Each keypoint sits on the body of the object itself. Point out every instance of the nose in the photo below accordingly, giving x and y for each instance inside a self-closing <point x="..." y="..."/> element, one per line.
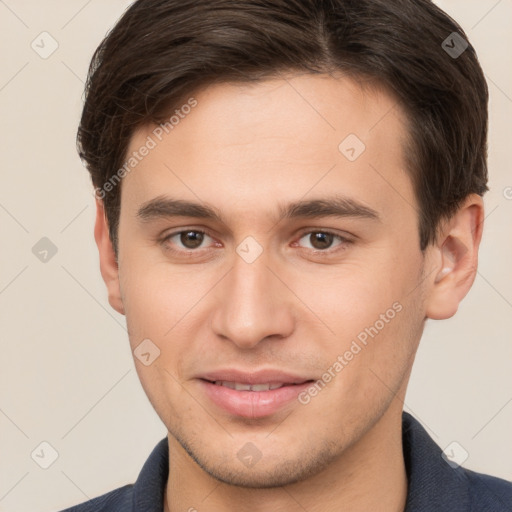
<point x="252" y="304"/>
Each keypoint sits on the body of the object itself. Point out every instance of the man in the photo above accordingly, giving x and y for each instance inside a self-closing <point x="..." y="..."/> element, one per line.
<point x="286" y="191"/>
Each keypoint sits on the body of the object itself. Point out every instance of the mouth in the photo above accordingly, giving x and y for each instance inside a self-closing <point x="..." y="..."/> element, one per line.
<point x="252" y="395"/>
<point x="241" y="386"/>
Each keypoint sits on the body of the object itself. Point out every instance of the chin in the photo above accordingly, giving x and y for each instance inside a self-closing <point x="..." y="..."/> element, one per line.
<point x="262" y="478"/>
<point x="266" y="474"/>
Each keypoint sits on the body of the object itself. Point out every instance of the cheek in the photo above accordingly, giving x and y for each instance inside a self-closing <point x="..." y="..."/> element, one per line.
<point x="157" y="296"/>
<point x="352" y="296"/>
<point x="158" y="305"/>
<point x="366" y="369"/>
<point x="374" y="313"/>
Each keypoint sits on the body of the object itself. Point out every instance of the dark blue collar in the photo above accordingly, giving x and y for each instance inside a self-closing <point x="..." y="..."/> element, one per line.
<point x="432" y="483"/>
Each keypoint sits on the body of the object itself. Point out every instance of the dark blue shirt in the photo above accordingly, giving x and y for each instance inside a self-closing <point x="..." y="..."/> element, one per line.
<point x="433" y="484"/>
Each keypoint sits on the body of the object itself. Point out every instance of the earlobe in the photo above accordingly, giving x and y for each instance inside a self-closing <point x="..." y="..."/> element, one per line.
<point x="108" y="264"/>
<point x="456" y="252"/>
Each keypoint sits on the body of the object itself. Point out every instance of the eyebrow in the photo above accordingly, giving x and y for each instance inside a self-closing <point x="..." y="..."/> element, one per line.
<point x="163" y="207"/>
<point x="337" y="206"/>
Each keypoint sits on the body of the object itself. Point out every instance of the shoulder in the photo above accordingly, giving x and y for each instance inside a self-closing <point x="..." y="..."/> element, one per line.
<point x="489" y="493"/>
<point x="435" y="483"/>
<point x="146" y="493"/>
<point x="118" y="500"/>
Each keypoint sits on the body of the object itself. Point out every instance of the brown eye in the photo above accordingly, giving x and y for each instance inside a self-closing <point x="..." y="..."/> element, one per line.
<point x="186" y="240"/>
<point x="191" y="239"/>
<point x="321" y="240"/>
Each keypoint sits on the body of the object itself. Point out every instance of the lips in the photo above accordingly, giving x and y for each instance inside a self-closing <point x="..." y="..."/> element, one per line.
<point x="252" y="394"/>
<point x="266" y="376"/>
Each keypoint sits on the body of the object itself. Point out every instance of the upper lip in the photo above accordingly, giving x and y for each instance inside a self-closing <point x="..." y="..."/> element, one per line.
<point x="267" y="376"/>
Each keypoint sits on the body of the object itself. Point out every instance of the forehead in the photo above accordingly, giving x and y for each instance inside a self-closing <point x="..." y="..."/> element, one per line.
<point x="245" y="145"/>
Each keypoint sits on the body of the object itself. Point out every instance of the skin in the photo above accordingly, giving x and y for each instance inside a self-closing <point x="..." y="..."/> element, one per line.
<point x="246" y="150"/>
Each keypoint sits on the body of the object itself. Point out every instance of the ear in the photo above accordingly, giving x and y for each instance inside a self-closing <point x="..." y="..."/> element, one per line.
<point x="108" y="264"/>
<point x="456" y="255"/>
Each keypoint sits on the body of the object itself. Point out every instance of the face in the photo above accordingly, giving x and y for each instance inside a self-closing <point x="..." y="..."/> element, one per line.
<point x="296" y="267"/>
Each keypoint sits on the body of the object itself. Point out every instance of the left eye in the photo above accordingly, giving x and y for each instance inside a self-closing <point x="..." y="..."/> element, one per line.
<point x="190" y="239"/>
<point x="321" y="240"/>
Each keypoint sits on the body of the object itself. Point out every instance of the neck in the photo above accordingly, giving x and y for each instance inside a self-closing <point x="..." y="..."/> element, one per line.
<point x="370" y="475"/>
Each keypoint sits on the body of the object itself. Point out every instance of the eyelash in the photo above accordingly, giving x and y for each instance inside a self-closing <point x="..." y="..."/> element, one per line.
<point x="344" y="242"/>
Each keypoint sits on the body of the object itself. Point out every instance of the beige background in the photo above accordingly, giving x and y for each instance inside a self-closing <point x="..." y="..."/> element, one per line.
<point x="66" y="373"/>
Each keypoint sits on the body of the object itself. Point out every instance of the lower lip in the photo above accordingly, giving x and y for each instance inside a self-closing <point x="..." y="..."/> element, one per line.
<point x="252" y="404"/>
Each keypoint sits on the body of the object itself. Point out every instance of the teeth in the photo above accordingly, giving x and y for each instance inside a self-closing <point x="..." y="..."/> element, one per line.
<point x="260" y="387"/>
<point x="242" y="387"/>
<point x="239" y="386"/>
<point x="230" y="385"/>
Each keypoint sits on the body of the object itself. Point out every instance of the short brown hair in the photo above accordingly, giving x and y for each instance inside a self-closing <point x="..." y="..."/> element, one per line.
<point x="161" y="51"/>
